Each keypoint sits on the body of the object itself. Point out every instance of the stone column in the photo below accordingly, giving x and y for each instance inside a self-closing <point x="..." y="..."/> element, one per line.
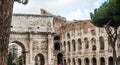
<point x="83" y="62"/>
<point x="98" y="61"/>
<point x="30" y="48"/>
<point x="106" y="60"/>
<point x="76" y="43"/>
<point x="76" y="61"/>
<point x="91" y="61"/>
<point x="50" y="49"/>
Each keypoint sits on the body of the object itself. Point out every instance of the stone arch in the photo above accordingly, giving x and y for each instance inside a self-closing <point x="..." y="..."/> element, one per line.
<point x="20" y="44"/>
<point x="60" y="58"/>
<point x="65" y="62"/>
<point x="74" y="45"/>
<point x="64" y="46"/>
<point x="86" y="43"/>
<point x="79" y="44"/>
<point x="68" y="36"/>
<point x="68" y="46"/>
<point x="86" y="61"/>
<point x="57" y="37"/>
<point x="94" y="61"/>
<point x="79" y="61"/>
<point x="93" y="41"/>
<point x="94" y="47"/>
<point x="69" y="61"/>
<point x="110" y="61"/>
<point x="57" y="46"/>
<point x="102" y="61"/>
<point x="74" y="61"/>
<point x="39" y="59"/>
<point x="101" y="41"/>
<point x="23" y="50"/>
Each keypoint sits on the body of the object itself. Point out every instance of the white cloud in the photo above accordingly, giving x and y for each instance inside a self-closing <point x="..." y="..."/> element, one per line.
<point x="74" y="15"/>
<point x="71" y="9"/>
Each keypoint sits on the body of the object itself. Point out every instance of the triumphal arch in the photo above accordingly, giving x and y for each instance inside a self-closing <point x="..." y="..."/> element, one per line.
<point x="34" y="34"/>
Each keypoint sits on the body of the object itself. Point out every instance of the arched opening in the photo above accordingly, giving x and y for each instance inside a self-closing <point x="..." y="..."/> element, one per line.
<point x="86" y="61"/>
<point x="118" y="60"/>
<point x="93" y="41"/>
<point x="39" y="59"/>
<point x="57" y="37"/>
<point x="74" y="61"/>
<point x="57" y="46"/>
<point x="69" y="61"/>
<point x="18" y="51"/>
<point x="68" y="36"/>
<point x="74" y="46"/>
<point x="101" y="41"/>
<point x="102" y="61"/>
<point x="64" y="46"/>
<point x="68" y="46"/>
<point x="86" y="43"/>
<point x="94" y="62"/>
<point x="65" y="62"/>
<point x="79" y="62"/>
<point x="60" y="59"/>
<point x="111" y="61"/>
<point x="79" y="44"/>
<point x="94" y="48"/>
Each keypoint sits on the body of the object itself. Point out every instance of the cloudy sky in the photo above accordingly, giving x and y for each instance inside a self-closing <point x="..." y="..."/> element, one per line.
<point x="70" y="9"/>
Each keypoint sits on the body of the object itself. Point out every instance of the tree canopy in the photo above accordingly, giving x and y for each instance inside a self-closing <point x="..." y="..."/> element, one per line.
<point x="107" y="14"/>
<point x="22" y="1"/>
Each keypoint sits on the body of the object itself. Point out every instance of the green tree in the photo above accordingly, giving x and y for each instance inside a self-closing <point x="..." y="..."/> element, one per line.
<point x="107" y="16"/>
<point x="20" y="60"/>
<point x="6" y="8"/>
<point x="9" y="59"/>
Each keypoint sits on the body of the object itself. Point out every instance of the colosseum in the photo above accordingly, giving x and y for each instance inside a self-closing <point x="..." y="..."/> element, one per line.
<point x="49" y="39"/>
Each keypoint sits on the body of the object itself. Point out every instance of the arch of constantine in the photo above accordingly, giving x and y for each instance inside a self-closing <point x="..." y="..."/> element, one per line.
<point x="48" y="39"/>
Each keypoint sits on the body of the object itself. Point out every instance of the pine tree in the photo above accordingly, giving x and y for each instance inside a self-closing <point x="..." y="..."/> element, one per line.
<point x="107" y="16"/>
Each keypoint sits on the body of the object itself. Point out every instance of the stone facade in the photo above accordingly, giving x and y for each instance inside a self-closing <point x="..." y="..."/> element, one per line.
<point x="48" y="39"/>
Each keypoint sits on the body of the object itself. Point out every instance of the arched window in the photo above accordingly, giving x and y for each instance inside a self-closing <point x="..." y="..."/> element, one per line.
<point x="39" y="59"/>
<point x="79" y="62"/>
<point x="74" y="61"/>
<point x="60" y="59"/>
<point x="94" y="48"/>
<point x="93" y="41"/>
<point x="64" y="46"/>
<point x="102" y="61"/>
<point x="101" y="41"/>
<point x="69" y="61"/>
<point x="68" y="36"/>
<point x="65" y="62"/>
<point x="57" y="37"/>
<point x="79" y="44"/>
<point x="86" y="61"/>
<point x="74" y="46"/>
<point x="94" y="62"/>
<point x="68" y="46"/>
<point x="86" y="43"/>
<point x="111" y="61"/>
<point x="57" y="46"/>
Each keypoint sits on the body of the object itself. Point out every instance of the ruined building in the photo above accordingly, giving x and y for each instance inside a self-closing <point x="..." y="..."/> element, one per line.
<point x="48" y="39"/>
